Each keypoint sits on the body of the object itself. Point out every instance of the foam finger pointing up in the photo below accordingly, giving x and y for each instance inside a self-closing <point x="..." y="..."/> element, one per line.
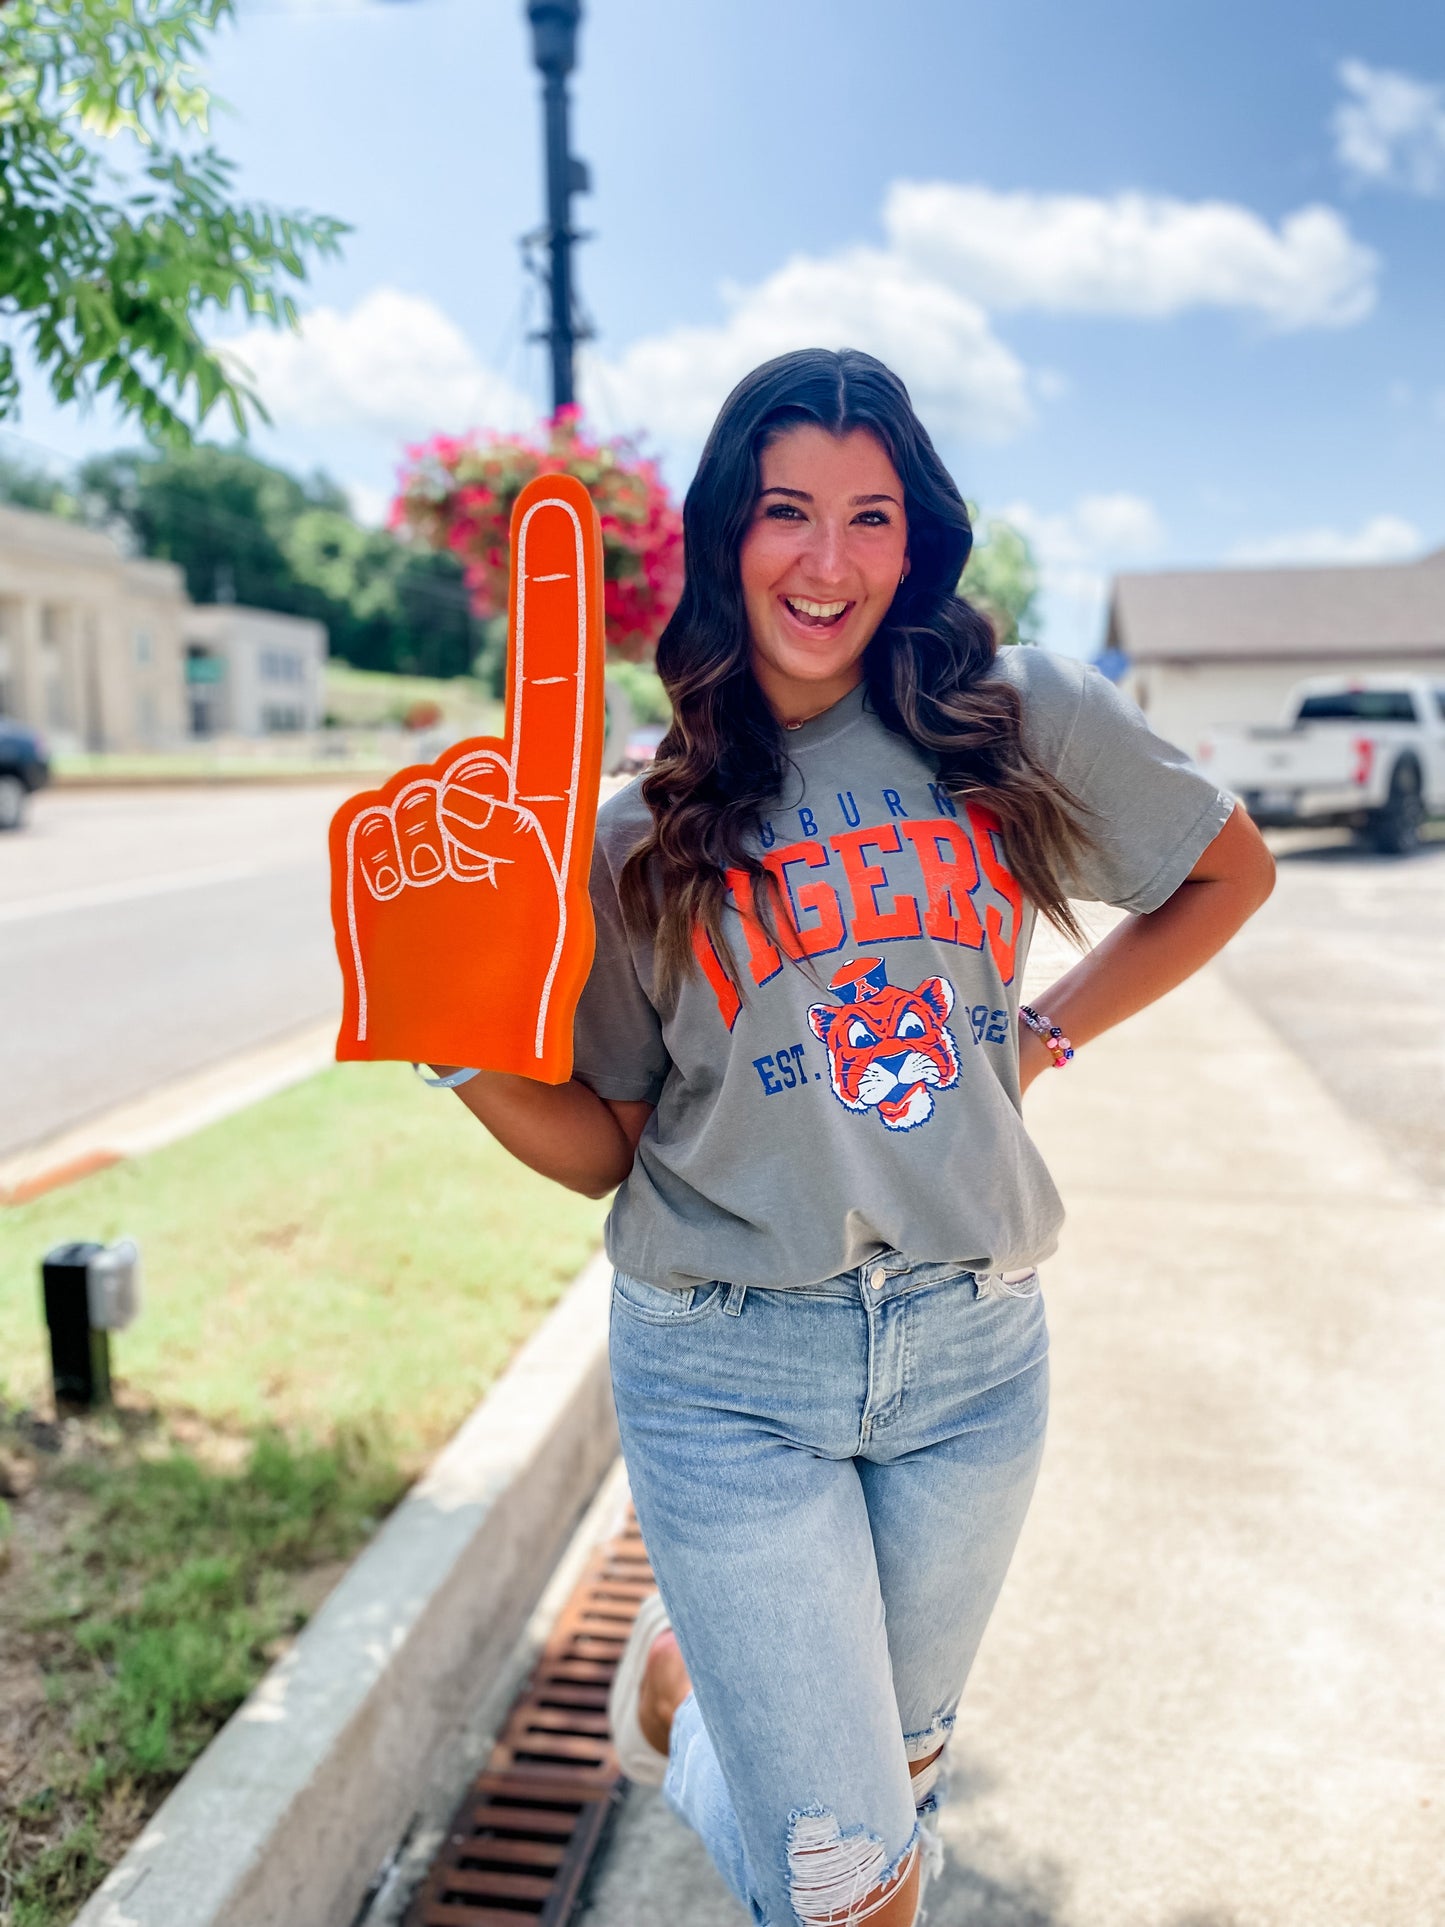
<point x="556" y="618"/>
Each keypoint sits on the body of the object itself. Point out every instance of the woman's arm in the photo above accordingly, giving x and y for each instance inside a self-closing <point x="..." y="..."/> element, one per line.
<point x="1148" y="955"/>
<point x="565" y="1131"/>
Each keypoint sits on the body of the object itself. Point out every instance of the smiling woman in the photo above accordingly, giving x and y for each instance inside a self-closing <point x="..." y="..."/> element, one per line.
<point x="799" y="1056"/>
<point x="819" y="570"/>
<point x="824" y="491"/>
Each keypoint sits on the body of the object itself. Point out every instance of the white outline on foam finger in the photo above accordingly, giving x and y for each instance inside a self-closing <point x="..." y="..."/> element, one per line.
<point x="560" y="869"/>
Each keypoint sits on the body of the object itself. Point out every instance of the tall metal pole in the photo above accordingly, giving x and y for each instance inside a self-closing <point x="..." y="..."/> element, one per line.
<point x="554" y="48"/>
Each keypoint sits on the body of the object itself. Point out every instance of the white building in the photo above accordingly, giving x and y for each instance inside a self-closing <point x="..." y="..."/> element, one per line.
<point x="104" y="651"/>
<point x="90" y="639"/>
<point x="1224" y="646"/>
<point x="250" y="672"/>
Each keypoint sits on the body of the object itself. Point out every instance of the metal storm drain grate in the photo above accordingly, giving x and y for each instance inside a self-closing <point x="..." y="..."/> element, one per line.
<point x="524" y="1836"/>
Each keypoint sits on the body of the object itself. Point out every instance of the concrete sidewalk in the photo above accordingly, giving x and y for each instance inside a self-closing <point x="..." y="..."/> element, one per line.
<point x="1213" y="1693"/>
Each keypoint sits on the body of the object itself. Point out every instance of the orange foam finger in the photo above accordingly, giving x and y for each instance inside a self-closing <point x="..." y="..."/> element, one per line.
<point x="459" y="893"/>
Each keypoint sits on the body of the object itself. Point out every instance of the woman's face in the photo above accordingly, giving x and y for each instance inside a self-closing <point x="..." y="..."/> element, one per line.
<point x="821" y="561"/>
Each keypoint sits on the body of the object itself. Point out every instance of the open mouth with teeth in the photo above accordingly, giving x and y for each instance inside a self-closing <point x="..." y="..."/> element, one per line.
<point x="819" y="618"/>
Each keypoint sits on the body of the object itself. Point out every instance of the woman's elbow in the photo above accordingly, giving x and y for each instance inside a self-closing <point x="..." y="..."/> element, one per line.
<point x="597" y="1184"/>
<point x="1261" y="875"/>
<point x="1240" y="859"/>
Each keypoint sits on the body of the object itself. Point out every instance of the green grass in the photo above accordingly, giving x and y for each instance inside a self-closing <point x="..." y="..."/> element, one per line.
<point x="212" y="765"/>
<point x="331" y="1280"/>
<point x="354" y="1250"/>
<point x="176" y="1584"/>
<point x="168" y="1591"/>
<point x="364" y="698"/>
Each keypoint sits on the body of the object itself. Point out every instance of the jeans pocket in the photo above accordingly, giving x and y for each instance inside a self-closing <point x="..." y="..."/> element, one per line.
<point x="665" y="1304"/>
<point x="1024" y="1282"/>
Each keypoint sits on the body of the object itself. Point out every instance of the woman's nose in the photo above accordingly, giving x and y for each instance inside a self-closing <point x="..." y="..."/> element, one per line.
<point x="827" y="553"/>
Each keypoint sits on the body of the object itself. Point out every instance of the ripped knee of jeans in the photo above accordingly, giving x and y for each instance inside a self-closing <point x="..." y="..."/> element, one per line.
<point x="837" y="1878"/>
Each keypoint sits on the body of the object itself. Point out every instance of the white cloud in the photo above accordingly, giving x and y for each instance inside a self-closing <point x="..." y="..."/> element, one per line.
<point x="964" y="381"/>
<point x="1133" y="254"/>
<point x="1077" y="549"/>
<point x="1381" y="538"/>
<point x="394" y="363"/>
<point x="1391" y="128"/>
<point x="1119" y="525"/>
<point x="369" y="505"/>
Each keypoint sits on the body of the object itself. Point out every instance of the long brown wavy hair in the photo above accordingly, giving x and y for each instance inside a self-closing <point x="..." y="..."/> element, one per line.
<point x="724" y="760"/>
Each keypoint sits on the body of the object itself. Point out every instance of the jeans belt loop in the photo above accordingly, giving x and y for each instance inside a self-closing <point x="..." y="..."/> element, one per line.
<point x="735" y="1297"/>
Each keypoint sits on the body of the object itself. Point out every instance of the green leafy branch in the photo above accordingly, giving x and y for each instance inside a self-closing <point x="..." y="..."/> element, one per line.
<point x="103" y="273"/>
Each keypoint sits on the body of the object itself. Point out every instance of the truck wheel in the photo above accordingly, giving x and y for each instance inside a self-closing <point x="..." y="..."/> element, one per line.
<point x="1395" y="829"/>
<point x="12" y="802"/>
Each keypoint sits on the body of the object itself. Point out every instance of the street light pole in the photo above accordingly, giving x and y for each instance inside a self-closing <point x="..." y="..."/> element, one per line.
<point x="554" y="48"/>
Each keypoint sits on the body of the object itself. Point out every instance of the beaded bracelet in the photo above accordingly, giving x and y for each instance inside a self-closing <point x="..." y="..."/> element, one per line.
<point x="1058" y="1046"/>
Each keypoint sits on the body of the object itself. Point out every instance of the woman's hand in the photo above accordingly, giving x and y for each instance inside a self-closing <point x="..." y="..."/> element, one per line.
<point x="1149" y="954"/>
<point x="564" y="1131"/>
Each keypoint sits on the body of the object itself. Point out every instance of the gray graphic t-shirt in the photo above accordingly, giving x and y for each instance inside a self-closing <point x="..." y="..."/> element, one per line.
<point x="864" y="1094"/>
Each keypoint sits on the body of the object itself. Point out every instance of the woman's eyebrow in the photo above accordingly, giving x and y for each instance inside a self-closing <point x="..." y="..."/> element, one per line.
<point x="802" y="495"/>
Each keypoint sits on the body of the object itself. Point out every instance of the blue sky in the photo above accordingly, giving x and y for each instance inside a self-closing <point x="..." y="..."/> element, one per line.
<point x="1167" y="284"/>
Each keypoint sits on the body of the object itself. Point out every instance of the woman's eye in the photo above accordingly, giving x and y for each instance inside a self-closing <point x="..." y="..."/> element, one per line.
<point x="781" y="511"/>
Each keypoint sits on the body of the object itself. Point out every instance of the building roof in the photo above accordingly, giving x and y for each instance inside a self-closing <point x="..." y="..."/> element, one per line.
<point x="222" y="622"/>
<point x="1281" y="615"/>
<point x="31" y="537"/>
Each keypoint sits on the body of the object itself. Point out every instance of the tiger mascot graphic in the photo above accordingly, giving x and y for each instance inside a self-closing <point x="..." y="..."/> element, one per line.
<point x="888" y="1049"/>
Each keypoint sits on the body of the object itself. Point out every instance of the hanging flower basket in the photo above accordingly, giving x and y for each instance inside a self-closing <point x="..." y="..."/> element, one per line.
<point x="457" y="493"/>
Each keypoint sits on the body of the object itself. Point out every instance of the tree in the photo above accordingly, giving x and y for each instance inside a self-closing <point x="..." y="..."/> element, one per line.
<point x="1002" y="578"/>
<point x="24" y="486"/>
<point x="106" y="273"/>
<point x="246" y="532"/>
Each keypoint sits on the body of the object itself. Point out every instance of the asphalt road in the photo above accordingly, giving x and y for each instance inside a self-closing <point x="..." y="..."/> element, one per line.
<point x="1347" y="962"/>
<point x="146" y="934"/>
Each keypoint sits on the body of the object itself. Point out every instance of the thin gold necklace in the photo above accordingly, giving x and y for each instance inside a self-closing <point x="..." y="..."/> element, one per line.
<point x="817" y="712"/>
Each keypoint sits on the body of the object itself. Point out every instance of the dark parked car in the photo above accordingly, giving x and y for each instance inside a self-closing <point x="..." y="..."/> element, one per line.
<point x="24" y="766"/>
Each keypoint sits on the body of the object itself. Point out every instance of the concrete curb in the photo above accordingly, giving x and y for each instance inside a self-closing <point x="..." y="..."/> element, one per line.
<point x="174" y="1110"/>
<point x="293" y="1808"/>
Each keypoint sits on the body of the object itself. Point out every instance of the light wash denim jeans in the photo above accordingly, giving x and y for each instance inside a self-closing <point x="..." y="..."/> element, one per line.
<point x="830" y="1482"/>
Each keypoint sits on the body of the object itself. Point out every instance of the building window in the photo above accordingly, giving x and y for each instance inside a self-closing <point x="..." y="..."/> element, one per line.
<point x="280" y="665"/>
<point x="281" y="716"/>
<point x="142" y="646"/>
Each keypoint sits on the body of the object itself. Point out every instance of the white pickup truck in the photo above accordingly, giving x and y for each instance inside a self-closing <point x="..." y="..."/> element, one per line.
<point x="1363" y="752"/>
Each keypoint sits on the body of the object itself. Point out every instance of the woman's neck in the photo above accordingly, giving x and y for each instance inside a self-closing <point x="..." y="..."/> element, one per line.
<point x="794" y="701"/>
